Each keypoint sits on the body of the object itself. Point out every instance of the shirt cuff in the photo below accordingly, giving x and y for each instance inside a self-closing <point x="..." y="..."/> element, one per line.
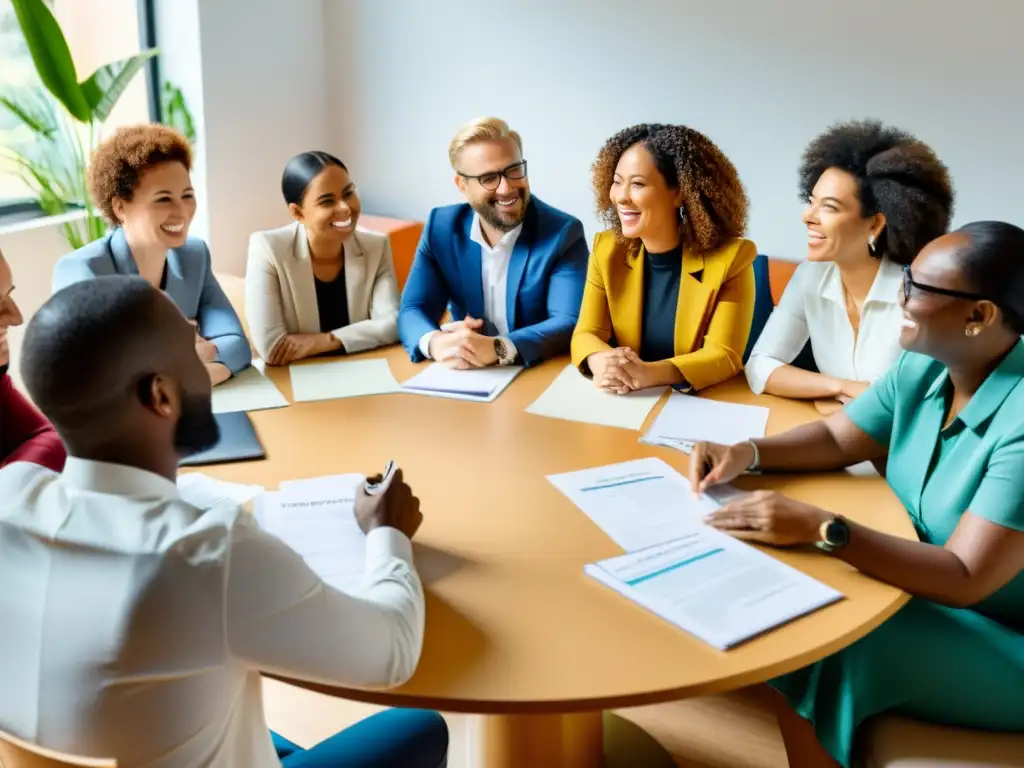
<point x="425" y="343"/>
<point x="385" y="543"/>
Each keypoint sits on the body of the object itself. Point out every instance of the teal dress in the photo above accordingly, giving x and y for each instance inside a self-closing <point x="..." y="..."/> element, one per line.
<point x="962" y="667"/>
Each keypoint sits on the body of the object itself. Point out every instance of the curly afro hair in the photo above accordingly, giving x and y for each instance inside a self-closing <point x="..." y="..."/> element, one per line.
<point x="897" y="176"/>
<point x="119" y="161"/>
<point x="713" y="196"/>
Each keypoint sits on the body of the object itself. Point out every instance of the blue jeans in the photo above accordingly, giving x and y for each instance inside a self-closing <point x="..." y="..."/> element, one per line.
<point x="394" y="738"/>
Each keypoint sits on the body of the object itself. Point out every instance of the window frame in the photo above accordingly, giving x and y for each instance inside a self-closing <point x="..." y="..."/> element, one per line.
<point x="13" y="212"/>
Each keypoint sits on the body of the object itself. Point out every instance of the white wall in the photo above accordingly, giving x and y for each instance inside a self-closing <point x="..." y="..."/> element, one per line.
<point x="32" y="249"/>
<point x="760" y="78"/>
<point x="264" y="94"/>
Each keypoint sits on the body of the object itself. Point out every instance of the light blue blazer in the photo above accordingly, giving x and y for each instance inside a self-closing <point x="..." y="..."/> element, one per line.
<point x="190" y="284"/>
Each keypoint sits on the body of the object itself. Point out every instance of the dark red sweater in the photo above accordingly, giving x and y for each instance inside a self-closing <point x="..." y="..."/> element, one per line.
<point x="25" y="434"/>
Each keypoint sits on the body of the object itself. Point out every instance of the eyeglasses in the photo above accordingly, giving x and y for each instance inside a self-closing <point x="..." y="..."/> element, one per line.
<point x="491" y="181"/>
<point x="909" y="283"/>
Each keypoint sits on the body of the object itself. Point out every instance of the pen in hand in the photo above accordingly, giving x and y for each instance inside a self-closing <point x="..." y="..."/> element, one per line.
<point x="375" y="486"/>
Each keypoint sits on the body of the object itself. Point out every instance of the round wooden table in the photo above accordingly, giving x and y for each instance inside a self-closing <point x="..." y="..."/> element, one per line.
<point x="515" y="632"/>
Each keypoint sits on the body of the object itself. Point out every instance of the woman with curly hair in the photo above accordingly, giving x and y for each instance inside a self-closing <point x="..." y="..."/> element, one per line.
<point x="670" y="286"/>
<point x="139" y="178"/>
<point x="875" y="197"/>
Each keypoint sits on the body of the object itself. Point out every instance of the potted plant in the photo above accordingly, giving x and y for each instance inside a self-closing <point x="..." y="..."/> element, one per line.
<point x="65" y="119"/>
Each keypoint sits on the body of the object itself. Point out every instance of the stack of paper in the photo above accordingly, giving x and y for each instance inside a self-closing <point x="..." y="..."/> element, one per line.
<point x="686" y="420"/>
<point x="205" y="492"/>
<point x="249" y="390"/>
<point x="713" y="586"/>
<point x="481" y="384"/>
<point x="346" y="378"/>
<point x="573" y="397"/>
<point x="316" y="518"/>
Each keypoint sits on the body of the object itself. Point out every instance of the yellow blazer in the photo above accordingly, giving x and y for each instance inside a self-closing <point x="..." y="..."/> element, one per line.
<point x="712" y="319"/>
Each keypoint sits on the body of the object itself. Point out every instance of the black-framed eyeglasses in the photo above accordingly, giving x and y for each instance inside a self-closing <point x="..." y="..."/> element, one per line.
<point x="491" y="181"/>
<point x="909" y="283"/>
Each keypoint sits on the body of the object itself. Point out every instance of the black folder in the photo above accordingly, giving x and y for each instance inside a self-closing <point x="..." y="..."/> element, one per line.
<point x="238" y="442"/>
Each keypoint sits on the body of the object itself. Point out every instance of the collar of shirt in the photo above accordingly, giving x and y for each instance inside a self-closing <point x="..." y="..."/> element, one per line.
<point x="990" y="396"/>
<point x="884" y="290"/>
<point x="504" y="245"/>
<point x="117" y="480"/>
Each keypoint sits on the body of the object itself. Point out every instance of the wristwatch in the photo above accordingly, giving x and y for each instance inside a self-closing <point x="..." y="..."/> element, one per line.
<point x="502" y="351"/>
<point x="833" y="534"/>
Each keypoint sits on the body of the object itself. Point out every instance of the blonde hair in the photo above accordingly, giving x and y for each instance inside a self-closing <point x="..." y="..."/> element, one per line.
<point x="481" y="129"/>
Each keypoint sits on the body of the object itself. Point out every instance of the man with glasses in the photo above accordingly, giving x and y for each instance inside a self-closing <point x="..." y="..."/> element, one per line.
<point x="508" y="267"/>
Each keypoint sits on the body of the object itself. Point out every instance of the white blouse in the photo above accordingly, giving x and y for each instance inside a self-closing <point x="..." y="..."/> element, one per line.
<point x="813" y="307"/>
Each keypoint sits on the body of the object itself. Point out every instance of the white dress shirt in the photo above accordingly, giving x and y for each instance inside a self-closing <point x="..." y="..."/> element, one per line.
<point x="813" y="306"/>
<point x="134" y="625"/>
<point x="494" y="261"/>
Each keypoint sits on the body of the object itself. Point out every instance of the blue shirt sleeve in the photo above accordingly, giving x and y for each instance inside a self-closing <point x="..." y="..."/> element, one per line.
<point x="874" y="412"/>
<point x="219" y="323"/>
<point x="1000" y="496"/>
<point x="425" y="296"/>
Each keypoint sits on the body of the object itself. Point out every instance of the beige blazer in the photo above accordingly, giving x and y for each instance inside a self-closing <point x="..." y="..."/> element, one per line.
<point x="280" y="296"/>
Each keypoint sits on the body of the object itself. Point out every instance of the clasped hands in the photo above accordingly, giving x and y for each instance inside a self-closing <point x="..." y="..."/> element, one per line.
<point x="461" y="345"/>
<point x="764" y="516"/>
<point x="298" y="346"/>
<point x="620" y="371"/>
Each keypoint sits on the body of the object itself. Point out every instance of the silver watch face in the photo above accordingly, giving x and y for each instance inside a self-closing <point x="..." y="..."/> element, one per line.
<point x="500" y="349"/>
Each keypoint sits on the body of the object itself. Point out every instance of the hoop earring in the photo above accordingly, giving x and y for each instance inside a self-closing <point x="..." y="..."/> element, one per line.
<point x="682" y="211"/>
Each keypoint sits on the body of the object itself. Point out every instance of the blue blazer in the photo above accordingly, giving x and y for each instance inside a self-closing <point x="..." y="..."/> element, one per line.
<point x="190" y="284"/>
<point x="546" y="275"/>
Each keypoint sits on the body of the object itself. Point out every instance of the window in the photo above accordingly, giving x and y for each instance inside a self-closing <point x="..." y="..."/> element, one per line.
<point x="98" y="32"/>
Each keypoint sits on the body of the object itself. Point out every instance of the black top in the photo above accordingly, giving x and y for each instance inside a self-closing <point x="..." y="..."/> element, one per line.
<point x="661" y="299"/>
<point x="332" y="302"/>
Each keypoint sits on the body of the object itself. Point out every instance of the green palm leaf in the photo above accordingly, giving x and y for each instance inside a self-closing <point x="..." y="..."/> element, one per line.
<point x="51" y="55"/>
<point x="105" y="86"/>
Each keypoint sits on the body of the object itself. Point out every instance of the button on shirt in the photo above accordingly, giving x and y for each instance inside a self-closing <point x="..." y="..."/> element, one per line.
<point x="813" y="306"/>
<point x="494" y="262"/>
<point x="135" y="625"/>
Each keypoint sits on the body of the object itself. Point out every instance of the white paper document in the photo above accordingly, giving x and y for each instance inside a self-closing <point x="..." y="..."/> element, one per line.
<point x="574" y="397"/>
<point x="344" y="378"/>
<point x="713" y="586"/>
<point x="640" y="503"/>
<point x="317" y="520"/>
<point x="205" y="492"/>
<point x="249" y="390"/>
<point x="482" y="384"/>
<point x="695" y="419"/>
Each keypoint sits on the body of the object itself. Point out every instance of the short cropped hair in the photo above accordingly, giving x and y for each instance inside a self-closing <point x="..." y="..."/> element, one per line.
<point x="86" y="345"/>
<point x="481" y="129"/>
<point x="713" y="196"/>
<point x="119" y="161"/>
<point x="897" y="175"/>
<point x="993" y="265"/>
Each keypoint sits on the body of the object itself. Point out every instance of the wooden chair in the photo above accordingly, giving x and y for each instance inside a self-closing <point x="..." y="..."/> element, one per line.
<point x="897" y="742"/>
<point x="15" y="753"/>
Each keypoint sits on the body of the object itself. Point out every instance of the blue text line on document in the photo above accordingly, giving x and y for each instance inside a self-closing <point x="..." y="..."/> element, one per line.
<point x="623" y="482"/>
<point x="680" y="564"/>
